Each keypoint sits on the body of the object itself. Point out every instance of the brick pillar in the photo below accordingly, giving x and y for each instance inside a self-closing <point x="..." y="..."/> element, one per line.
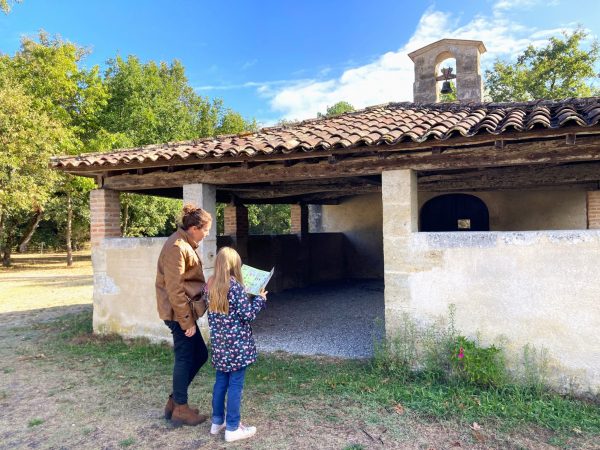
<point x="105" y="215"/>
<point x="236" y="220"/>
<point x="400" y="220"/>
<point x="236" y="226"/>
<point x="299" y="219"/>
<point x="593" y="209"/>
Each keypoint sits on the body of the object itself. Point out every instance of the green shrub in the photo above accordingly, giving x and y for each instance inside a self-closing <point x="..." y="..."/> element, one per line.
<point x="480" y="366"/>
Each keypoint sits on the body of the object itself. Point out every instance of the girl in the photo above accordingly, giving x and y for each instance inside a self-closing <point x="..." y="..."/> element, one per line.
<point x="230" y="311"/>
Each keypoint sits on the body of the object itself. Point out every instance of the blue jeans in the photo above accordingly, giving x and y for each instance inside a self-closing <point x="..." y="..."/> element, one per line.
<point x="232" y="384"/>
<point x="190" y="355"/>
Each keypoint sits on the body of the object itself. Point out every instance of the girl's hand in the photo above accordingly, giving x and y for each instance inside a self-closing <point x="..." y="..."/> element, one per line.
<point x="263" y="293"/>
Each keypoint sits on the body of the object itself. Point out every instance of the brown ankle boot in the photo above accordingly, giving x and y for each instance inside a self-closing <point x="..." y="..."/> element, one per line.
<point x="171" y="405"/>
<point x="183" y="415"/>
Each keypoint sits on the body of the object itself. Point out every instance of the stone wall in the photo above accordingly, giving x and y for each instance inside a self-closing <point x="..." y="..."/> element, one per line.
<point x="535" y="287"/>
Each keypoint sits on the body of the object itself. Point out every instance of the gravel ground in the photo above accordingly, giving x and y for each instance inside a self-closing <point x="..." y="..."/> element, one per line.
<point x="336" y="319"/>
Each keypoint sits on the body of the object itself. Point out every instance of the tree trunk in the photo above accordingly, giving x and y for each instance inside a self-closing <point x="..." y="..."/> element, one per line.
<point x="1" y="223"/>
<point x="6" y="251"/>
<point x="69" y="222"/>
<point x="33" y="224"/>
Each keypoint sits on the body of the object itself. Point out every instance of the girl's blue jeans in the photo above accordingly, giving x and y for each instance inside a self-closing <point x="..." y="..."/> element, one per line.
<point x="232" y="384"/>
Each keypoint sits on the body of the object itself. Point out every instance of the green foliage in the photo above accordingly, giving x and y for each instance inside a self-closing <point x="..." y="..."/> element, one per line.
<point x="561" y="69"/>
<point x="480" y="366"/>
<point x="269" y="219"/>
<point x="152" y="103"/>
<point x="145" y="215"/>
<point x="262" y="219"/>
<point x="337" y="109"/>
<point x="35" y="422"/>
<point x="28" y="137"/>
<point x="48" y="73"/>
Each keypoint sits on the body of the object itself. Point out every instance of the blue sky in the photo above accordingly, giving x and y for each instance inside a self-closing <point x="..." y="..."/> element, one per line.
<point x="281" y="59"/>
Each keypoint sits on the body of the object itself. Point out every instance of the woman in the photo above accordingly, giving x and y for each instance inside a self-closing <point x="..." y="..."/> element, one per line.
<point x="179" y="277"/>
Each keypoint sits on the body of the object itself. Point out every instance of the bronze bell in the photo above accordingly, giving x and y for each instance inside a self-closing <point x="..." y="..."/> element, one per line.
<point x="446" y="87"/>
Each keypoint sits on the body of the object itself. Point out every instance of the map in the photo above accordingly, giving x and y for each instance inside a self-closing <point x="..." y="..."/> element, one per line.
<point x="255" y="279"/>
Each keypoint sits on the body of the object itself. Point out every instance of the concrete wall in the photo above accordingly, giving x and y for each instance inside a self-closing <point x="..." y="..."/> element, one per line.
<point x="124" y="295"/>
<point x="535" y="287"/>
<point x="530" y="209"/>
<point x="359" y="218"/>
<point x="125" y="271"/>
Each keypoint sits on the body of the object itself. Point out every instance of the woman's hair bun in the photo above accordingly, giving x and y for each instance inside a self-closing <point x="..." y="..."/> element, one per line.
<point x="189" y="209"/>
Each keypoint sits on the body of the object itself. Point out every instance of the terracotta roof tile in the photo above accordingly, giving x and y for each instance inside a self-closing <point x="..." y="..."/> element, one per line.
<point x="377" y="125"/>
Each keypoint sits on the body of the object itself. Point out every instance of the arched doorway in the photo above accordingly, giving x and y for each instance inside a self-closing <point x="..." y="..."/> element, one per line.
<point x="454" y="212"/>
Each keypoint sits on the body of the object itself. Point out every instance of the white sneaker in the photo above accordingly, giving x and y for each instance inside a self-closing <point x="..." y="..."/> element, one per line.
<point x="216" y="429"/>
<point x="241" y="433"/>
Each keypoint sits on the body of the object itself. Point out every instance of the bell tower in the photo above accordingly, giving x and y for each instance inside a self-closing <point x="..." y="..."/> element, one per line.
<point x="469" y="87"/>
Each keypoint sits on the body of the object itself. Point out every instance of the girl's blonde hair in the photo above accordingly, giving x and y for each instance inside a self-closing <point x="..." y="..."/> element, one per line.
<point x="227" y="264"/>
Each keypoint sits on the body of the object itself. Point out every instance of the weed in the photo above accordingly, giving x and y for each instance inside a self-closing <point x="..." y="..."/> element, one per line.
<point x="35" y="422"/>
<point x="354" y="447"/>
<point x="534" y="368"/>
<point x="477" y="365"/>
<point x="127" y="442"/>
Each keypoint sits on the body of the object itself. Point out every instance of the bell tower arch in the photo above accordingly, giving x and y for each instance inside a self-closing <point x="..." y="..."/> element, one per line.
<point x="469" y="86"/>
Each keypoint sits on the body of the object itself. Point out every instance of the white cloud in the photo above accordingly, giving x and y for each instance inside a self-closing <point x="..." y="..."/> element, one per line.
<point x="390" y="77"/>
<point x="504" y="5"/>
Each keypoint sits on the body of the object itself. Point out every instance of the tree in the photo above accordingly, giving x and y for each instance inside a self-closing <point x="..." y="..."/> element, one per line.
<point x="153" y="103"/>
<point x="48" y="69"/>
<point x="337" y="109"/>
<point x="561" y="69"/>
<point x="28" y="137"/>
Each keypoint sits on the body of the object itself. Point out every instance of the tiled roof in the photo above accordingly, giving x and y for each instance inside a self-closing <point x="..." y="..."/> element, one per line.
<point x="387" y="124"/>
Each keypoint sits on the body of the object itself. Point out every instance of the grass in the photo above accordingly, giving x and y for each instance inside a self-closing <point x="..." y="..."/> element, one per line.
<point x="293" y="378"/>
<point x="127" y="442"/>
<point x="35" y="422"/>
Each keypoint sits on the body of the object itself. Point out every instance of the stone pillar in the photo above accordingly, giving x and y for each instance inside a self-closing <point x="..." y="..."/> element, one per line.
<point x="593" y="209"/>
<point x="205" y="196"/>
<point x="400" y="219"/>
<point x="469" y="85"/>
<point x="299" y="219"/>
<point x="236" y="226"/>
<point x="105" y="215"/>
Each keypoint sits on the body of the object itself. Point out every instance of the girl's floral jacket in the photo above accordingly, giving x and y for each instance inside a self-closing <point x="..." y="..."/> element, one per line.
<point x="231" y="337"/>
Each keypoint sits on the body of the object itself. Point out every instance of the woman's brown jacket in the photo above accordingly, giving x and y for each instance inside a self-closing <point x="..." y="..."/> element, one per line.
<point x="179" y="276"/>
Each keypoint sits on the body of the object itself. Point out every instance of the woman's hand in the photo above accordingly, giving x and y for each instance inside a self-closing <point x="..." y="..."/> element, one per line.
<point x="263" y="293"/>
<point x="190" y="331"/>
